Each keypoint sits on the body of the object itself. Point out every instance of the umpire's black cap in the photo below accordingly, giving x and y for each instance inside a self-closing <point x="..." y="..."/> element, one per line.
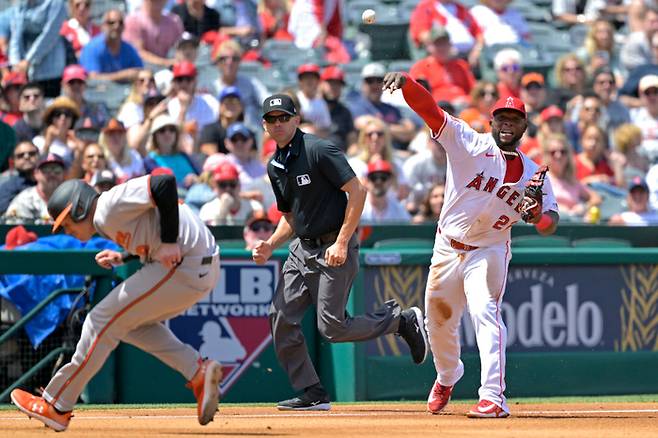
<point x="279" y="102"/>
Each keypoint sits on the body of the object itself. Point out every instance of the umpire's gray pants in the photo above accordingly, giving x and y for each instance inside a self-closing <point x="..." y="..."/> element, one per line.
<point x="308" y="279"/>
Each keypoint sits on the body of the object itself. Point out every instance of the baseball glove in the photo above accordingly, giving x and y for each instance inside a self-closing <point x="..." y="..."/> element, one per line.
<point x="532" y="198"/>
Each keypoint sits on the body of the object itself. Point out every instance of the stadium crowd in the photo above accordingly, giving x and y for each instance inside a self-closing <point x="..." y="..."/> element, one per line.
<point x="194" y="74"/>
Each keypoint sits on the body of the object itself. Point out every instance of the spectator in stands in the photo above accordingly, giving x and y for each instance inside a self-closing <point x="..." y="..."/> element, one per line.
<point x="341" y="131"/>
<point x="190" y="105"/>
<point x="478" y="114"/>
<point x="369" y="103"/>
<point x="231" y="110"/>
<point x="573" y="197"/>
<point x="85" y="133"/>
<point x="639" y="211"/>
<point x="164" y="151"/>
<point x="79" y="29"/>
<point x="35" y="46"/>
<point x="431" y="206"/>
<point x="21" y="176"/>
<point x="629" y="91"/>
<point x="197" y="18"/>
<point x="381" y="206"/>
<point x="187" y="49"/>
<point x="533" y="95"/>
<point x="243" y="24"/>
<point x="32" y="107"/>
<point x="570" y="80"/>
<point x="131" y="112"/>
<point x="92" y="159"/>
<point x="507" y="64"/>
<point x="614" y="113"/>
<point x="103" y="180"/>
<point x="500" y="23"/>
<point x="125" y="162"/>
<point x="274" y="16"/>
<point x="108" y="57"/>
<point x="11" y="85"/>
<point x="313" y="107"/>
<point x="228" y="207"/>
<point x="572" y="12"/>
<point x="551" y="121"/>
<point x="319" y="24"/>
<point x="627" y="139"/>
<point x="592" y="164"/>
<point x="590" y="112"/>
<point x="59" y="119"/>
<point x="449" y="78"/>
<point x="646" y="116"/>
<point x="258" y="226"/>
<point x="465" y="34"/>
<point x="423" y="170"/>
<point x="239" y="143"/>
<point x="599" y="49"/>
<point x="252" y="92"/>
<point x="637" y="49"/>
<point x="153" y="32"/>
<point x="74" y="84"/>
<point x="6" y="18"/>
<point x="31" y="204"/>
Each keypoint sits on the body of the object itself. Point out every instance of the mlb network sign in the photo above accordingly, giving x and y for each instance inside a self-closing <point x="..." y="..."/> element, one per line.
<point x="231" y="324"/>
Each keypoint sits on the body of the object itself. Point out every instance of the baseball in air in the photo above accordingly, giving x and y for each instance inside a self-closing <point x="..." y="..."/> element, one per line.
<point x="368" y="16"/>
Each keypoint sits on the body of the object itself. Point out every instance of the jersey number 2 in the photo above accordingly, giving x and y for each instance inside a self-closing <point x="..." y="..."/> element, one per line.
<point x="503" y="223"/>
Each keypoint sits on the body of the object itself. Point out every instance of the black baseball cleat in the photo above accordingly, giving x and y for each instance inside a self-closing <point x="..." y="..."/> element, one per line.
<point x="412" y="330"/>
<point x="313" y="399"/>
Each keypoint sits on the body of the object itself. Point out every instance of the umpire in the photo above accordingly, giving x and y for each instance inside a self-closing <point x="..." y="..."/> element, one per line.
<point x="312" y="180"/>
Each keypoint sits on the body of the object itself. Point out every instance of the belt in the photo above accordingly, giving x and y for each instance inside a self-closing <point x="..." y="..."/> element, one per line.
<point x="461" y="246"/>
<point x="316" y="242"/>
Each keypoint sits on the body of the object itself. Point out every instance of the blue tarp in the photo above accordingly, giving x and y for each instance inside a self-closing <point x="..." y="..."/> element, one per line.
<point x="26" y="291"/>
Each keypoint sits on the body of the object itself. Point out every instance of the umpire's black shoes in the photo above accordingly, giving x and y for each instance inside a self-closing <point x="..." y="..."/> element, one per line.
<point x="412" y="330"/>
<point x="315" y="398"/>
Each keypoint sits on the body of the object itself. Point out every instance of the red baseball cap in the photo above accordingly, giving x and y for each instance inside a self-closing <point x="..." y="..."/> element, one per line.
<point x="333" y="73"/>
<point x="72" y="72"/>
<point x="18" y="236"/>
<point x="379" y="166"/>
<point x="14" y="78"/>
<point x="226" y="172"/>
<point x="549" y="112"/>
<point x="161" y="171"/>
<point x="308" y="68"/>
<point x="184" y="69"/>
<point x="509" y="103"/>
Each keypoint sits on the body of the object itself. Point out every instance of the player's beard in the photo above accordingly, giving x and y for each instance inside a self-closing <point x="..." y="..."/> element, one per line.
<point x="506" y="145"/>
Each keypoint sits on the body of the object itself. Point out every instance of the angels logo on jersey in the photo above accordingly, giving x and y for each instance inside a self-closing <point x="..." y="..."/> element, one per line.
<point x="231" y="324"/>
<point x="505" y="192"/>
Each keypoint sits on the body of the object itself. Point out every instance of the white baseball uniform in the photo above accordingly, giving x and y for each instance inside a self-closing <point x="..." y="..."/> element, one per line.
<point x="133" y="311"/>
<point x="472" y="249"/>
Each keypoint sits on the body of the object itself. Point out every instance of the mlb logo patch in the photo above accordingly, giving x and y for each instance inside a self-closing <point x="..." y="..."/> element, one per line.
<point x="274" y="102"/>
<point x="303" y="180"/>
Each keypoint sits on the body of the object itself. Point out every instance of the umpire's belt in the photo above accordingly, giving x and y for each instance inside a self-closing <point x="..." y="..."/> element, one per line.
<point x="461" y="246"/>
<point x="324" y="239"/>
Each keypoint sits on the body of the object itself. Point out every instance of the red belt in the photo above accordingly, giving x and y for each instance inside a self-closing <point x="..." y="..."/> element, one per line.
<point x="461" y="246"/>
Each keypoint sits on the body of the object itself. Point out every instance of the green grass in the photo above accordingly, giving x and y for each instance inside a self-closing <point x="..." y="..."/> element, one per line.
<point x="641" y="398"/>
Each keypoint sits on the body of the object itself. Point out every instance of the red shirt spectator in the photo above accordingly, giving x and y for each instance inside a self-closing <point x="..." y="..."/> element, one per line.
<point x="11" y="84"/>
<point x="274" y="17"/>
<point x="79" y="29"/>
<point x="601" y="167"/>
<point x="462" y="27"/>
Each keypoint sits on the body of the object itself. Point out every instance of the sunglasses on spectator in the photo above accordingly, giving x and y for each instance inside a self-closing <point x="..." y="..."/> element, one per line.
<point x="53" y="169"/>
<point x="34" y="96"/>
<point x="65" y="113"/>
<point x="650" y="91"/>
<point x="184" y="79"/>
<point x="283" y="118"/>
<point x="379" y="177"/>
<point x="228" y="58"/>
<point x="92" y="156"/>
<point x="261" y="226"/>
<point x="557" y="152"/>
<point x="595" y="109"/>
<point x="239" y="139"/>
<point x="491" y="93"/>
<point x="146" y="80"/>
<point x="170" y="129"/>
<point x="227" y="185"/>
<point x="604" y="81"/>
<point x="114" y="22"/>
<point x="576" y="68"/>
<point x="375" y="134"/>
<point x="371" y="81"/>
<point x="511" y="68"/>
<point x="26" y="155"/>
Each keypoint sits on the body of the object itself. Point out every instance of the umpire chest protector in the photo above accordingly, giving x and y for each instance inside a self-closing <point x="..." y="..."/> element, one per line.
<point x="306" y="178"/>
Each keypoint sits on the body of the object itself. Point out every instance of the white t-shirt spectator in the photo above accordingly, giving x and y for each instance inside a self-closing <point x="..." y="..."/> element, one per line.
<point x="212" y="212"/>
<point x="204" y="109"/>
<point x="507" y="28"/>
<point x="315" y="110"/>
<point x="649" y="127"/>
<point x="394" y="212"/>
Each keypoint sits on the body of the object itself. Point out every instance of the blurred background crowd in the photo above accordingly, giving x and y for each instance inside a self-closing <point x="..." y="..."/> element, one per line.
<point x="108" y="90"/>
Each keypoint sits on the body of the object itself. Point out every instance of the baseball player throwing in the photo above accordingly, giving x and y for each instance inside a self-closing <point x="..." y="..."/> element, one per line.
<point x="181" y="265"/>
<point x="487" y="191"/>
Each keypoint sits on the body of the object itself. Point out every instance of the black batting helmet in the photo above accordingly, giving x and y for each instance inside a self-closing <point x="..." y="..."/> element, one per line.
<point x="73" y="197"/>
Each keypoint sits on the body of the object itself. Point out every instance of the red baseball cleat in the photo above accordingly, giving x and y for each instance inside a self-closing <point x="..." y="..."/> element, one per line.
<point x="205" y="386"/>
<point x="439" y="397"/>
<point x="487" y="409"/>
<point x="37" y="407"/>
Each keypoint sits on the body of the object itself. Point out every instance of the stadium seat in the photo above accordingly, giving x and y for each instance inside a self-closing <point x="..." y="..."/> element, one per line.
<point x="387" y="40"/>
<point x="400" y="65"/>
<point x="112" y="94"/>
<point x="532" y="241"/>
<point x="404" y="243"/>
<point x="601" y="242"/>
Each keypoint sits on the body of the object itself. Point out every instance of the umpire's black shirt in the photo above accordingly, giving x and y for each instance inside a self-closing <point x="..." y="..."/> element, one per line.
<point x="306" y="178"/>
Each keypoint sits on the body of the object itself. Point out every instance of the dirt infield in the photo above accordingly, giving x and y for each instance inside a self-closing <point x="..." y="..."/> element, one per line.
<point x="356" y="420"/>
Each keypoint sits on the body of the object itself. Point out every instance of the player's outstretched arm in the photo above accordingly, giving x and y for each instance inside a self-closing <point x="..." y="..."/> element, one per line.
<point x="418" y="98"/>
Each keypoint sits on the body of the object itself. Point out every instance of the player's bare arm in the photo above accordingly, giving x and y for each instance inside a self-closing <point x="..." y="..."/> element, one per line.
<point x="263" y="249"/>
<point x="337" y="253"/>
<point x="418" y="98"/>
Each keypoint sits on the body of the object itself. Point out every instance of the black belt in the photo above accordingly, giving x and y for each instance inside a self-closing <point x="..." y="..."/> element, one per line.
<point x="206" y="260"/>
<point x="316" y="242"/>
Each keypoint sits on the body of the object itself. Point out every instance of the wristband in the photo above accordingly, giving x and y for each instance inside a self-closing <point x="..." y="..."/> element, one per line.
<point x="544" y="223"/>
